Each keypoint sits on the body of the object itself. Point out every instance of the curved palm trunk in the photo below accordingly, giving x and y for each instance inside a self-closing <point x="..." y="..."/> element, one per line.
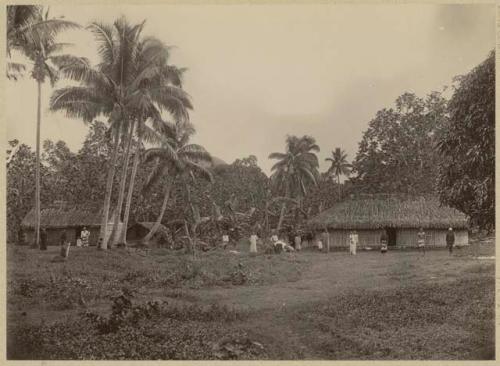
<point x="37" y="168"/>
<point x="103" y="238"/>
<point x="282" y="216"/>
<point x="157" y="224"/>
<point x="121" y="194"/>
<point x="123" y="234"/>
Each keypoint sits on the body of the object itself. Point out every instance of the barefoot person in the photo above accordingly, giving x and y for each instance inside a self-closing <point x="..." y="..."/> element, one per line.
<point x="421" y="240"/>
<point x="450" y="240"/>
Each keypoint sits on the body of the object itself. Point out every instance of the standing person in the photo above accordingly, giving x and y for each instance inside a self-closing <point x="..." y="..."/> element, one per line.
<point x="64" y="245"/>
<point x="85" y="236"/>
<point x="253" y="243"/>
<point x="353" y="242"/>
<point x="421" y="240"/>
<point x="225" y="240"/>
<point x="450" y="240"/>
<point x="43" y="239"/>
<point x="274" y="236"/>
<point x="298" y="242"/>
<point x="383" y="242"/>
<point x="326" y="240"/>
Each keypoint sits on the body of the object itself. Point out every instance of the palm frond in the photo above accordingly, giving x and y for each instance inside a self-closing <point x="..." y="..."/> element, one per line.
<point x="199" y="170"/>
<point x="79" y="102"/>
<point x="15" y="70"/>
<point x="277" y="155"/>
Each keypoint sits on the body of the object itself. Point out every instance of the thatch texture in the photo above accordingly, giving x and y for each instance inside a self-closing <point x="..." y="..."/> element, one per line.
<point x="381" y="211"/>
<point x="64" y="215"/>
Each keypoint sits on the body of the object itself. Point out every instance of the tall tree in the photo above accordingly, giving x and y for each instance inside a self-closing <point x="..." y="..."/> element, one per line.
<point x="154" y="52"/>
<point x="173" y="158"/>
<point x="339" y="166"/>
<point x="113" y="89"/>
<point x="38" y="43"/>
<point x="25" y="25"/>
<point x="295" y="170"/>
<point x="397" y="152"/>
<point x="467" y="146"/>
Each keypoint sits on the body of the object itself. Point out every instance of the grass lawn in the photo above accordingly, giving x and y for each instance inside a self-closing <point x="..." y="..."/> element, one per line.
<point x="160" y="304"/>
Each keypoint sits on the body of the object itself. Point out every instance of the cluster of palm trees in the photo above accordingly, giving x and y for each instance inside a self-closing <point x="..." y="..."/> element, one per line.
<point x="296" y="170"/>
<point x="141" y="95"/>
<point x="134" y="86"/>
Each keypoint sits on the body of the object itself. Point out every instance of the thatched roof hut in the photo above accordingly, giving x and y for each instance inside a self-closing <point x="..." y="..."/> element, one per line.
<point x="70" y="218"/>
<point x="63" y="214"/>
<point x="400" y="216"/>
<point x="394" y="211"/>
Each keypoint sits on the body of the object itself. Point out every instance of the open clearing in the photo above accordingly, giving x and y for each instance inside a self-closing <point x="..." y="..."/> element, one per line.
<point x="309" y="305"/>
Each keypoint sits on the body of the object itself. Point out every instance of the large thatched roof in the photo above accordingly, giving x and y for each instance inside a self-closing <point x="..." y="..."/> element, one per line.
<point x="379" y="211"/>
<point x="62" y="215"/>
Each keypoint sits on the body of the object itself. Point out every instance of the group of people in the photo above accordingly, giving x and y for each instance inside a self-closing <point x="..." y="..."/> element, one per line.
<point x="450" y="240"/>
<point x="82" y="241"/>
<point x="280" y="245"/>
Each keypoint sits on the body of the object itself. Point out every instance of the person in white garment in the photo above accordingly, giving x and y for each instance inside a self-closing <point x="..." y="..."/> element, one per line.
<point x="225" y="240"/>
<point x="85" y="236"/>
<point x="253" y="243"/>
<point x="353" y="242"/>
<point x="298" y="242"/>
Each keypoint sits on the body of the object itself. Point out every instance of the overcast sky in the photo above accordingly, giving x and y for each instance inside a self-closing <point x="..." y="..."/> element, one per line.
<point x="260" y="72"/>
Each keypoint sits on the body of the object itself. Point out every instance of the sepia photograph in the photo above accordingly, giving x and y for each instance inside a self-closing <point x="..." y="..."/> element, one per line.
<point x="241" y="180"/>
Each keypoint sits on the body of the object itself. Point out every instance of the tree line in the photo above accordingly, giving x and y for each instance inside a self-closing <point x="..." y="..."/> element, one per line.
<point x="427" y="145"/>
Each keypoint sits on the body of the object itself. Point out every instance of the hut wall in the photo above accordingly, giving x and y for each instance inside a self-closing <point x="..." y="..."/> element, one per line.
<point x="404" y="238"/>
<point x="54" y="235"/>
<point x="340" y="238"/>
<point x="433" y="237"/>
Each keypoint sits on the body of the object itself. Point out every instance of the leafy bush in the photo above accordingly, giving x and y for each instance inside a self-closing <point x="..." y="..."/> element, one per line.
<point x="149" y="331"/>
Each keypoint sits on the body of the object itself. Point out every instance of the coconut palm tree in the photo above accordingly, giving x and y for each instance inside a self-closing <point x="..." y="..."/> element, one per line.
<point x="339" y="166"/>
<point x="166" y="75"/>
<point x="173" y="158"/>
<point x="26" y="25"/>
<point x="116" y="88"/>
<point x="296" y="169"/>
<point x="38" y="44"/>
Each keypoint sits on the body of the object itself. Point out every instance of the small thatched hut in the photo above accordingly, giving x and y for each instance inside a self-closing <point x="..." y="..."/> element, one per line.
<point x="139" y="230"/>
<point x="62" y="217"/>
<point x="400" y="216"/>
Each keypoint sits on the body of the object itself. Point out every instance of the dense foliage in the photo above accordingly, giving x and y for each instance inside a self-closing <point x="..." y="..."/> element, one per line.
<point x="467" y="146"/>
<point x="397" y="152"/>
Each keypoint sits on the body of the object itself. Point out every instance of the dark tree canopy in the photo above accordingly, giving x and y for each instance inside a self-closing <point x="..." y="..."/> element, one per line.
<point x="467" y="146"/>
<point x="397" y="153"/>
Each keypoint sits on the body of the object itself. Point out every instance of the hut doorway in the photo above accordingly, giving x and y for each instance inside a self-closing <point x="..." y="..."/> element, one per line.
<point x="391" y="236"/>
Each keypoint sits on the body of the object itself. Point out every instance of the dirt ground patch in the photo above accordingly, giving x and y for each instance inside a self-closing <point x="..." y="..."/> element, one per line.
<point x="306" y="305"/>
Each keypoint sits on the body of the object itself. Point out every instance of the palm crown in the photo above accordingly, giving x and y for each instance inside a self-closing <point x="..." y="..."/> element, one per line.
<point x="297" y="168"/>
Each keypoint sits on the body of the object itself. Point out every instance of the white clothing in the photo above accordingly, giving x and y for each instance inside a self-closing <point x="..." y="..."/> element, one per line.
<point x="253" y="243"/>
<point x="353" y="242"/>
<point x="85" y="237"/>
<point x="225" y="238"/>
<point x="320" y="245"/>
<point x="298" y="241"/>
